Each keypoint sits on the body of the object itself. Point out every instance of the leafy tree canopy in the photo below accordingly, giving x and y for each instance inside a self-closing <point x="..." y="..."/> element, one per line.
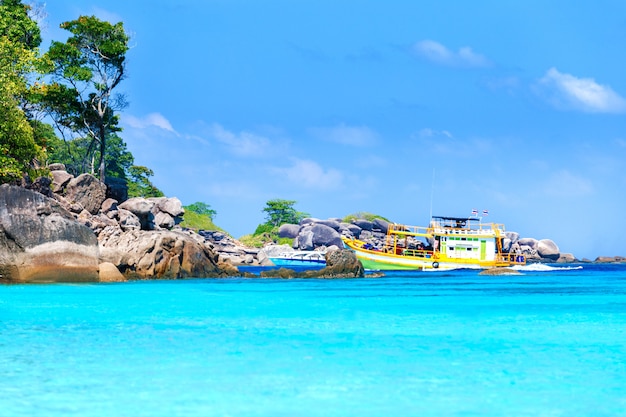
<point x="202" y="208"/>
<point x="18" y="150"/>
<point x="16" y="24"/>
<point x="86" y="70"/>
<point x="279" y="211"/>
<point x="139" y="183"/>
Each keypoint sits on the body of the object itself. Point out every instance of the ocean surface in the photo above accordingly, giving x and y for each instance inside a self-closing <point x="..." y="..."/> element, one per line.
<point x="550" y="342"/>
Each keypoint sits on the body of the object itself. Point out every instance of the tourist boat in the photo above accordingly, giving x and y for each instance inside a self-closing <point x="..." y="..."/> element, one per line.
<point x="448" y="243"/>
<point x="298" y="259"/>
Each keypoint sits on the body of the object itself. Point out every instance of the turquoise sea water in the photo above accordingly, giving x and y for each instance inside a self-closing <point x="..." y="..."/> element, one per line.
<point x="546" y="343"/>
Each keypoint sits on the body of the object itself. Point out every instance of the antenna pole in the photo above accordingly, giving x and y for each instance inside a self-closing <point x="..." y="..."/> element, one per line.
<point x="432" y="193"/>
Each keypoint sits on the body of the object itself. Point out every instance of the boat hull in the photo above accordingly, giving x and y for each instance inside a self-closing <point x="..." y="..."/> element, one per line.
<point x="380" y="261"/>
<point x="288" y="263"/>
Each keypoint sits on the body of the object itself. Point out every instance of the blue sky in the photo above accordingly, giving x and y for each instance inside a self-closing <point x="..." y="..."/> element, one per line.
<point x="391" y="107"/>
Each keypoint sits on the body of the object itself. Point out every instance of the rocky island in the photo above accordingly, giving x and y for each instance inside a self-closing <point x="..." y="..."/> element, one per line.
<point x="78" y="229"/>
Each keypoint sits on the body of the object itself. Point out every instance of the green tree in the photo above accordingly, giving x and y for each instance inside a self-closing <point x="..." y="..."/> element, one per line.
<point x="280" y="211"/>
<point x="18" y="36"/>
<point x="140" y="185"/>
<point x="17" y="26"/>
<point x="86" y="70"/>
<point x="202" y="208"/>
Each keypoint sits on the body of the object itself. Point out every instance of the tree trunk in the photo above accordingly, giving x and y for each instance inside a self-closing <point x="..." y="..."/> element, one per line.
<point x="101" y="168"/>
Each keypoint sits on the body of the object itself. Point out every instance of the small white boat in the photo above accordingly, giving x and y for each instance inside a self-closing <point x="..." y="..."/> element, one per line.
<point x="299" y="259"/>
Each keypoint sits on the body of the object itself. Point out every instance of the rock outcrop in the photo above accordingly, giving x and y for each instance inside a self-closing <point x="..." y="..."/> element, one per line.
<point x="140" y="254"/>
<point x="40" y="241"/>
<point x="316" y="234"/>
<point x="340" y="263"/>
<point x="87" y="191"/>
<point x="82" y="235"/>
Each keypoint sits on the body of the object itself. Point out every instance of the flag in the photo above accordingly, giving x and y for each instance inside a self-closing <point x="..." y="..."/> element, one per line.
<point x="474" y="212"/>
<point x="485" y="212"/>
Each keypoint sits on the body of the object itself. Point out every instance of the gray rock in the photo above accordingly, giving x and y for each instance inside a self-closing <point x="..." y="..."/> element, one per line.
<point x="109" y="205"/>
<point x="546" y="248"/>
<point x="610" y="259"/>
<point x="107" y="272"/>
<point x="325" y="236"/>
<point x="87" y="191"/>
<point x="41" y="242"/>
<point x="128" y="220"/>
<point x="380" y="224"/>
<point x="164" y="220"/>
<point x="330" y="223"/>
<point x="169" y="205"/>
<point x="528" y="241"/>
<point x="141" y="254"/>
<point x="60" y="180"/>
<point x="341" y="263"/>
<point x="364" y="224"/>
<point x="56" y="167"/>
<point x="512" y="236"/>
<point x="566" y="258"/>
<point x="352" y="229"/>
<point x="117" y="188"/>
<point x="142" y="208"/>
<point x="289" y="231"/>
<point x="308" y="220"/>
<point x="304" y="241"/>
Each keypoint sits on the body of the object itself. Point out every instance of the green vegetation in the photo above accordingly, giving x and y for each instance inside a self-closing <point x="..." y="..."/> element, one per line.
<point x="85" y="72"/>
<point x="278" y="212"/>
<point x="198" y="222"/>
<point x="199" y="216"/>
<point x="74" y="87"/>
<point x="201" y="208"/>
<point x="363" y="215"/>
<point x="19" y="36"/>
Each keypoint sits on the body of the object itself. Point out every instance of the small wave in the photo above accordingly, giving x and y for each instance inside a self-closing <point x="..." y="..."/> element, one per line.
<point x="545" y="268"/>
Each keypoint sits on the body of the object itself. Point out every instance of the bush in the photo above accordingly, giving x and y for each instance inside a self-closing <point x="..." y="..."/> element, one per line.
<point x="195" y="221"/>
<point x="254" y="241"/>
<point x="363" y="215"/>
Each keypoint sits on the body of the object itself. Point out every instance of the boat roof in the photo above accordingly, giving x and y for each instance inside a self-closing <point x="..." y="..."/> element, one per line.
<point x="476" y="219"/>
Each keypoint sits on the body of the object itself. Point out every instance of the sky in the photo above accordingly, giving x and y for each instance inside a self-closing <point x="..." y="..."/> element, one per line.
<point x="398" y="108"/>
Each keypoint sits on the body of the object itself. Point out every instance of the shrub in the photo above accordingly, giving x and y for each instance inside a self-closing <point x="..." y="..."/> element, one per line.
<point x="195" y="221"/>
<point x="363" y="215"/>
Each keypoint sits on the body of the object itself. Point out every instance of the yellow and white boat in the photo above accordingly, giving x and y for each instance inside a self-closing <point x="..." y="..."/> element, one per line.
<point x="448" y="243"/>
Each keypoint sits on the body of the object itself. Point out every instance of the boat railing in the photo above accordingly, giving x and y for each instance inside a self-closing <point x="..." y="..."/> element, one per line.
<point x="401" y="229"/>
<point x="511" y="258"/>
<point x="487" y="229"/>
<point x="420" y="253"/>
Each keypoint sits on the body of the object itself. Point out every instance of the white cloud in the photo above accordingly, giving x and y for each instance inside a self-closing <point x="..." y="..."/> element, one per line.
<point x="568" y="92"/>
<point x="309" y="174"/>
<point x="438" y="53"/>
<point x="150" y="120"/>
<point x="347" y="135"/>
<point x="242" y="143"/>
